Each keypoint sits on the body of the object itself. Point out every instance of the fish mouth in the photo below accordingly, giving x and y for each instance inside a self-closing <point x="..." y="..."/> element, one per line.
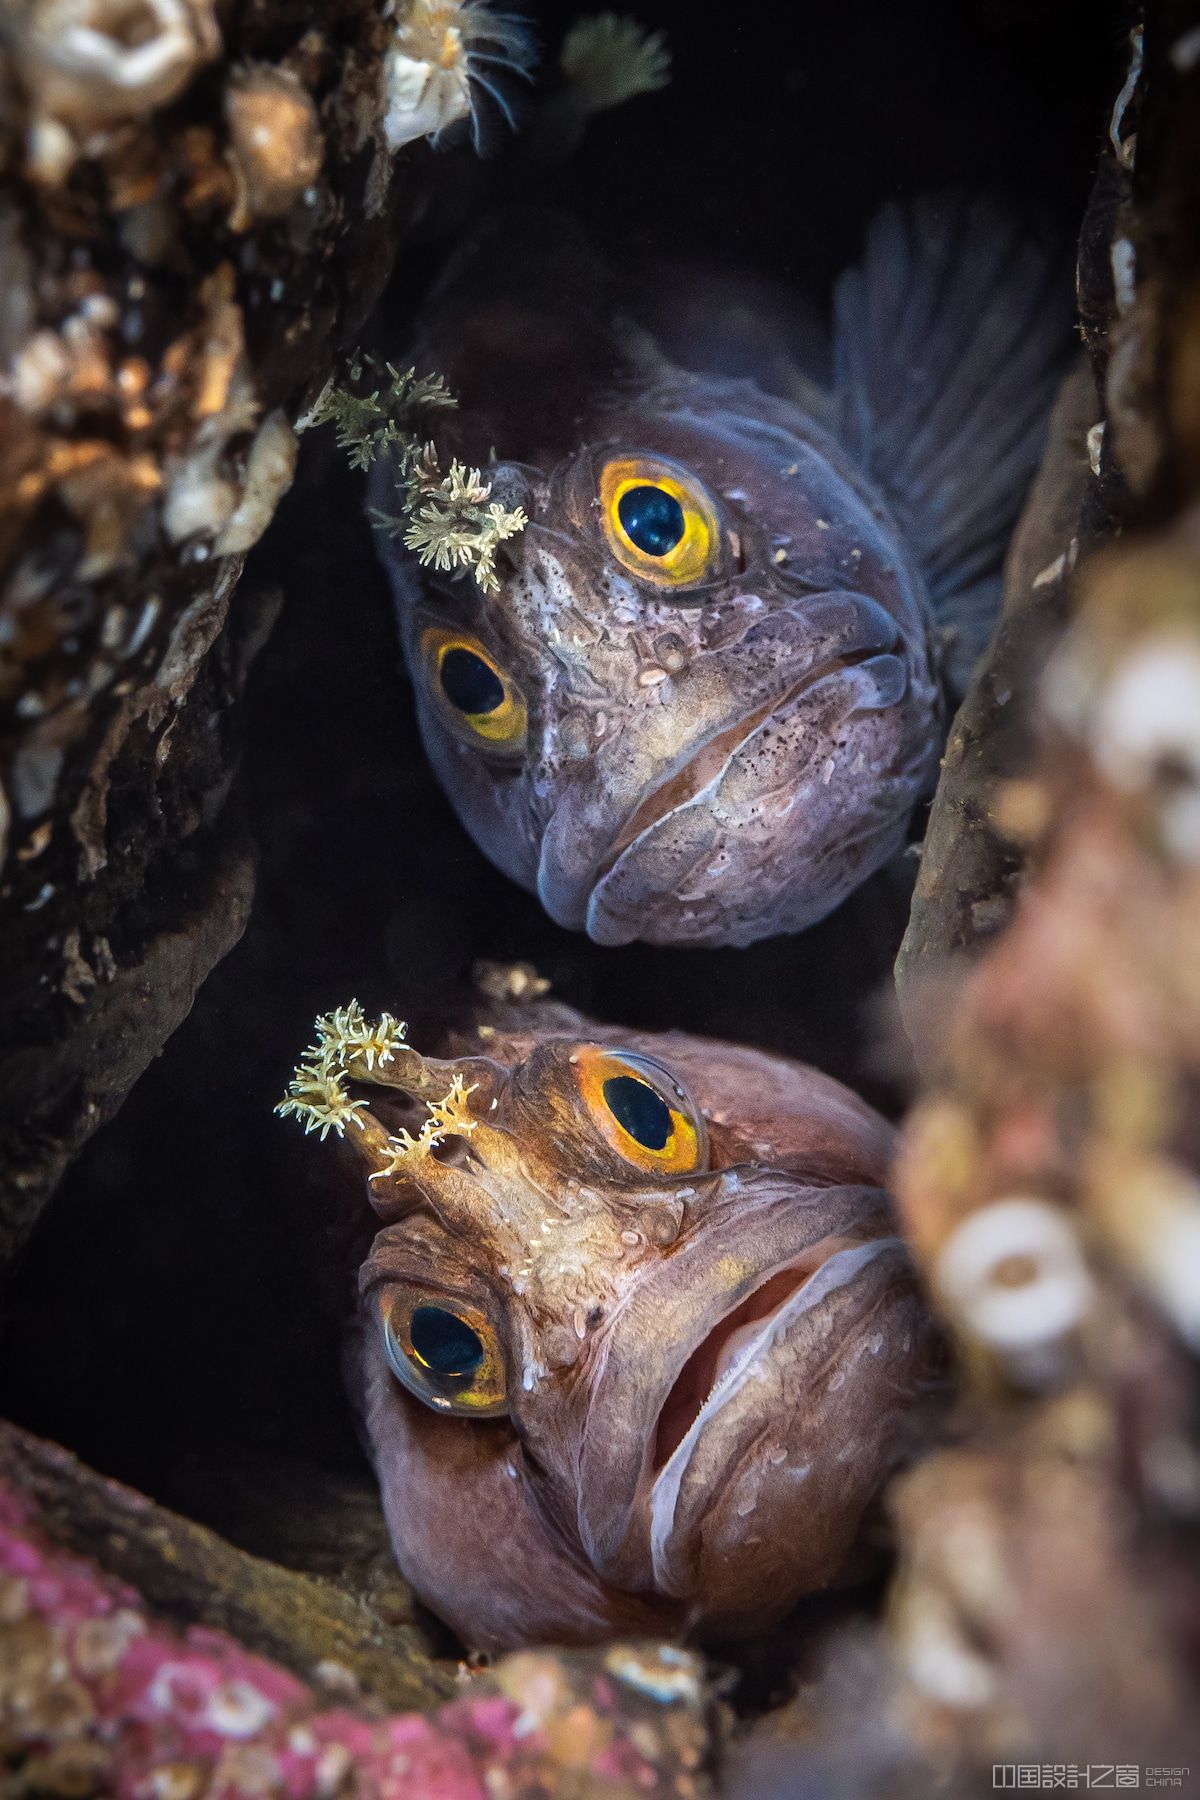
<point x="726" y="1366"/>
<point x="734" y="1339"/>
<point x="618" y="831"/>
<point x="710" y="758"/>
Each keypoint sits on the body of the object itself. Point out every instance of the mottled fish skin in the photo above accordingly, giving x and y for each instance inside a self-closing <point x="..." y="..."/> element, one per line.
<point x="710" y="766"/>
<point x="793" y="705"/>
<point x="625" y="1479"/>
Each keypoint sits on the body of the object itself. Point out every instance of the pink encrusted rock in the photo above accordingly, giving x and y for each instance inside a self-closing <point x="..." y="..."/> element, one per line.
<point x="97" y="1695"/>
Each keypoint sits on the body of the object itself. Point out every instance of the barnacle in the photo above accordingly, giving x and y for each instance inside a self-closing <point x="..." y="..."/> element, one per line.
<point x="57" y="373"/>
<point x="270" y="466"/>
<point x="442" y="50"/>
<point x="206" y="497"/>
<point x="275" y="141"/>
<point x="1149" y="1208"/>
<point x="447" y="1117"/>
<point x="1014" y="1274"/>
<point x="1136" y="705"/>
<point x="609" y="59"/>
<point x="90" y="64"/>
<point x="201" y="498"/>
<point x="1146" y="733"/>
<point x="216" y="490"/>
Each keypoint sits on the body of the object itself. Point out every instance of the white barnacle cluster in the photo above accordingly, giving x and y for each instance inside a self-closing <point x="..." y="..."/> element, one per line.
<point x="447" y="1117"/>
<point x="275" y="141"/>
<point x="1137" y="713"/>
<point x="207" y="499"/>
<point x="317" y="1093"/>
<point x="1014" y="1275"/>
<point x="219" y="500"/>
<point x="456" y="525"/>
<point x="88" y="66"/>
<point x="1149" y="1207"/>
<point x="443" y="56"/>
<point x="1146" y="733"/>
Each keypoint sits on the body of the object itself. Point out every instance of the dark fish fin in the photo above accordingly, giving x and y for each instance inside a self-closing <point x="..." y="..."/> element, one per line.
<point x="950" y="339"/>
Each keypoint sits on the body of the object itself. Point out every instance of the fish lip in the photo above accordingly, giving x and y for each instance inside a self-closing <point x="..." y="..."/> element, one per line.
<point x="732" y="737"/>
<point x="805" y="1265"/>
<point x="728" y="741"/>
<point x="840" y="1268"/>
<point x="788" y="1231"/>
<point x="633" y="834"/>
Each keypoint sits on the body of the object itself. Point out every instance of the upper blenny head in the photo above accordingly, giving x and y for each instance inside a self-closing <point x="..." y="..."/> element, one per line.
<point x="704" y="699"/>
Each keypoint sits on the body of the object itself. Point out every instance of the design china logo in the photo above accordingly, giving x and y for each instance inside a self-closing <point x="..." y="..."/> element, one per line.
<point x="1085" y="1775"/>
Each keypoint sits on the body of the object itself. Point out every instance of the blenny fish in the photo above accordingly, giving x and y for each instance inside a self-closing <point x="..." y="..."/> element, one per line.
<point x="709" y="691"/>
<point x="637" y="1342"/>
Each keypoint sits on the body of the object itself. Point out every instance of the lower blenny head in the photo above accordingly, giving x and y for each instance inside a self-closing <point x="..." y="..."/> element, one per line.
<point x="638" y="1344"/>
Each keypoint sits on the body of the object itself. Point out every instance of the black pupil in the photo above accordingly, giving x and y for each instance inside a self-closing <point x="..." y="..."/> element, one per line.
<point x="444" y="1342"/>
<point x="639" y="1110"/>
<point x="652" y="519"/>
<point x="469" y="684"/>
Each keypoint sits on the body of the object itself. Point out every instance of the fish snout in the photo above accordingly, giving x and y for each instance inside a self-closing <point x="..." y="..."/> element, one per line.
<point x="774" y="1359"/>
<point x="768" y="780"/>
<point x="811" y="1404"/>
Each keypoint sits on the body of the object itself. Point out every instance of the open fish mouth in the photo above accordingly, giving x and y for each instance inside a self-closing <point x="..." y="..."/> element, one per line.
<point x="735" y="1357"/>
<point x="709" y="1375"/>
<point x="713" y="1361"/>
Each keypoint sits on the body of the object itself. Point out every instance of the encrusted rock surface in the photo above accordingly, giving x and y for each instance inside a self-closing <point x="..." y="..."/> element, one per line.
<point x="194" y="219"/>
<point x="1041" y="1627"/>
<point x="140" y="1690"/>
<point x="971" y="858"/>
<point x="1049" y="1177"/>
<point x="191" y="1574"/>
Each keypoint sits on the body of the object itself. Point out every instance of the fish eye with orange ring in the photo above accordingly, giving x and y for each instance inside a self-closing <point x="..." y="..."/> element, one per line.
<point x="659" y="520"/>
<point x="641" y="1110"/>
<point x="475" y="697"/>
<point x="445" y="1351"/>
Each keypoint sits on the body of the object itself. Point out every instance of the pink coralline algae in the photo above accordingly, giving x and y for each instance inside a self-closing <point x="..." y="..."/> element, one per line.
<point x="98" y="1696"/>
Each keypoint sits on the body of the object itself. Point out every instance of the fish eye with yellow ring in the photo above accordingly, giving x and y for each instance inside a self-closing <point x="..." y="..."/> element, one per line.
<point x="472" y="692"/>
<point x="641" y="1110"/>
<point x="660" y="523"/>
<point x="445" y="1351"/>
